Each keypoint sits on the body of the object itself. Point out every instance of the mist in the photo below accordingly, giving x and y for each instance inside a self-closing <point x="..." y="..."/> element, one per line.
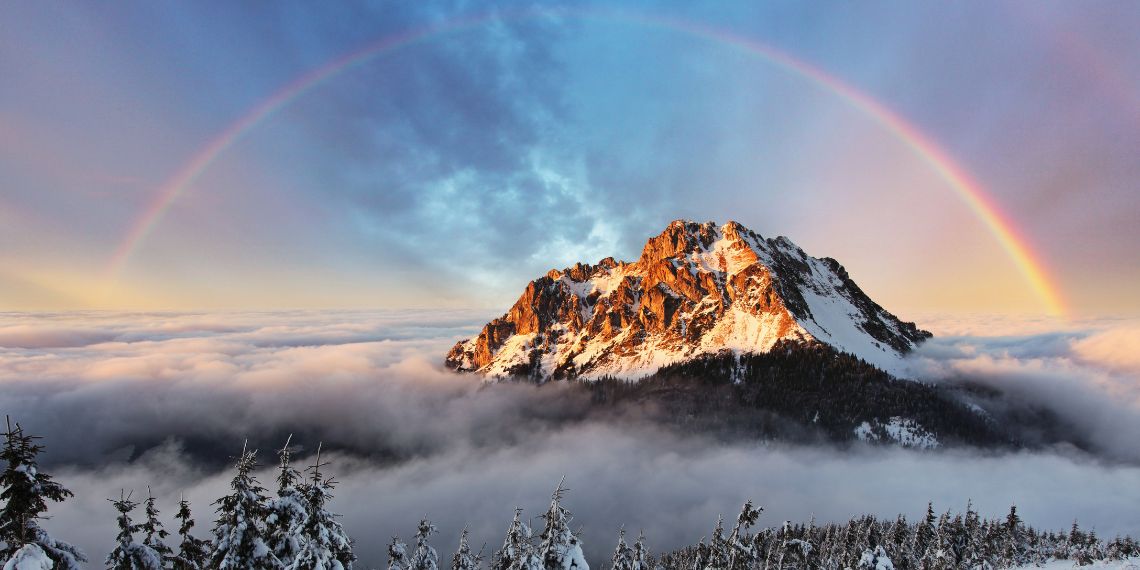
<point x="130" y="400"/>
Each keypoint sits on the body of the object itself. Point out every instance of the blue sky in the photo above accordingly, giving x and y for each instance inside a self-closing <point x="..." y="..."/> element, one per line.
<point x="452" y="170"/>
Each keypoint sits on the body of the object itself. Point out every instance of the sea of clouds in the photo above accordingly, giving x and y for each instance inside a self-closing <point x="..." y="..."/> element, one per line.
<point x="131" y="400"/>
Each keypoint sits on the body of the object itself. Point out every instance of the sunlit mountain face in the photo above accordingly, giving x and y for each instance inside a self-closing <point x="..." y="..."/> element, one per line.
<point x="375" y="284"/>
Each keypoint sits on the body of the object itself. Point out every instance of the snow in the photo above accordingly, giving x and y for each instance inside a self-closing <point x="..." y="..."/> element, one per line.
<point x="834" y="318"/>
<point x="899" y="430"/>
<point x="1126" y="564"/>
<point x="29" y="557"/>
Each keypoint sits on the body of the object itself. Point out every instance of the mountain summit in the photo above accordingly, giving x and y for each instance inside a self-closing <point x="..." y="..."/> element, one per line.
<point x="697" y="289"/>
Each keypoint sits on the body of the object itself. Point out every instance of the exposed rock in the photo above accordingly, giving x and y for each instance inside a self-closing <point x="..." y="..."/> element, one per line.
<point x="696" y="289"/>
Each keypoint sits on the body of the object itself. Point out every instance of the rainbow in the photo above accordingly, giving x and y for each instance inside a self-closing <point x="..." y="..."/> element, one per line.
<point x="969" y="190"/>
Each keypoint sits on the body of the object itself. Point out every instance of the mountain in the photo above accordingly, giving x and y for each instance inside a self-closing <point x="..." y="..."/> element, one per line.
<point x="697" y="289"/>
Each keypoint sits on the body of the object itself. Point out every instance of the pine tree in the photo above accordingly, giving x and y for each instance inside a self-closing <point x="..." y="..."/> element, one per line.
<point x="192" y="552"/>
<point x="398" y="555"/>
<point x="924" y="541"/>
<point x="286" y="511"/>
<point x="323" y="544"/>
<point x="560" y="548"/>
<point x="25" y="496"/>
<point x="463" y="558"/>
<point x="128" y="554"/>
<point x="155" y="533"/>
<point x="741" y="554"/>
<point x="239" y="532"/>
<point x="718" y="548"/>
<point x="1013" y="540"/>
<point x="517" y="552"/>
<point x="424" y="557"/>
<point x="623" y="554"/>
<point x="640" y="553"/>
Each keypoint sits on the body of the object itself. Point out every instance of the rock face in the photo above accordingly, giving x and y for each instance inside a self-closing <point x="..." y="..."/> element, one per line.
<point x="696" y="289"/>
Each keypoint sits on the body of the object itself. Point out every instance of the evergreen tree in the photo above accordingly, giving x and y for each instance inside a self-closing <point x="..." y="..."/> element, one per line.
<point x="398" y="555"/>
<point x="560" y="548"/>
<point x="424" y="557"/>
<point x="1014" y="552"/>
<point x="623" y="554"/>
<point x="154" y="532"/>
<point x="517" y="552"/>
<point x="640" y="553"/>
<point x="286" y="511"/>
<point x="25" y="496"/>
<point x="741" y="554"/>
<point x="323" y="544"/>
<point x="192" y="552"/>
<point x="924" y="541"/>
<point x="463" y="558"/>
<point x="128" y="554"/>
<point x="717" y="558"/>
<point x="239" y="532"/>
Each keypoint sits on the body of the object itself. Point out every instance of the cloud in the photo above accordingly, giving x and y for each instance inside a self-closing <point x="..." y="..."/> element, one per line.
<point x="1085" y="374"/>
<point x="164" y="399"/>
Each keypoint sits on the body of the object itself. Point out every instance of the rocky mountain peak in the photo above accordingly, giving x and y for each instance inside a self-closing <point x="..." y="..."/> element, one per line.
<point x="698" y="288"/>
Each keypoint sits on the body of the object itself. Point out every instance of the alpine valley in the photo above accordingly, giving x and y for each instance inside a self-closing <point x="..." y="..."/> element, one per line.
<point x="716" y="327"/>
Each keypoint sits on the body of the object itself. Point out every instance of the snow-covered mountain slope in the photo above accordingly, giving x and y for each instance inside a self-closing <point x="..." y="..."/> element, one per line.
<point x="696" y="289"/>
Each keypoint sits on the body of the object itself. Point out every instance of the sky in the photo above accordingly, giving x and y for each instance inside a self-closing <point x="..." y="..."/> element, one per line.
<point x="216" y="155"/>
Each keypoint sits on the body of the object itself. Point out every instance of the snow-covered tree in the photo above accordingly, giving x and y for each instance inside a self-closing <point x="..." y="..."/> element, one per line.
<point x="424" y="557"/>
<point x="741" y="554"/>
<point x="640" y="553"/>
<point x="239" y="532"/>
<point x="128" y="554"/>
<point x="517" y="552"/>
<point x="924" y="543"/>
<point x="1014" y="553"/>
<point x="464" y="559"/>
<point x="29" y="557"/>
<point x="25" y="496"/>
<point x="154" y="534"/>
<point x="875" y="559"/>
<point x="322" y="542"/>
<point x="718" y="548"/>
<point x="560" y="548"/>
<point x="623" y="554"/>
<point x="193" y="553"/>
<point x="286" y="511"/>
<point x="398" y="555"/>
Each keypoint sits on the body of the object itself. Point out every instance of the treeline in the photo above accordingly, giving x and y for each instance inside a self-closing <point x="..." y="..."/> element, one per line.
<point x="293" y="529"/>
<point x="800" y="392"/>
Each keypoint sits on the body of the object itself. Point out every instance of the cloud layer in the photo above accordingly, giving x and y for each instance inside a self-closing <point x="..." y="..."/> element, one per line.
<point x="130" y="400"/>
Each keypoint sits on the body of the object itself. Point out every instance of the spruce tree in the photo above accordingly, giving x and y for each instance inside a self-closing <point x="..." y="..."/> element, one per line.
<point x="717" y="558"/>
<point x="322" y="542"/>
<point x="623" y="554"/>
<point x="128" y="554"/>
<point x="193" y="553"/>
<point x="741" y="553"/>
<point x="154" y="532"/>
<point x="286" y="511"/>
<point x="560" y="548"/>
<point x="924" y="541"/>
<point x="424" y="557"/>
<point x="398" y="555"/>
<point x="25" y="496"/>
<point x="1014" y="540"/>
<point x="517" y="552"/>
<point x="640" y="553"/>
<point x="239" y="531"/>
<point x="464" y="559"/>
